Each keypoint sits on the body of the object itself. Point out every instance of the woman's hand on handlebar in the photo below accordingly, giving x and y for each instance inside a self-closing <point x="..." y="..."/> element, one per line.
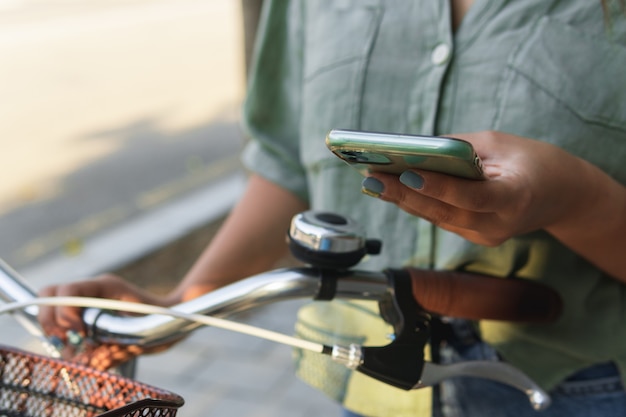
<point x="251" y="240"/>
<point x="57" y="321"/>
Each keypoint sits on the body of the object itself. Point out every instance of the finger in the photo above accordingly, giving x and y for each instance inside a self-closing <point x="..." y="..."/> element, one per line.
<point x="486" y="196"/>
<point x="113" y="287"/>
<point x="442" y="214"/>
<point x="47" y="316"/>
<point x="71" y="318"/>
<point x="481" y="228"/>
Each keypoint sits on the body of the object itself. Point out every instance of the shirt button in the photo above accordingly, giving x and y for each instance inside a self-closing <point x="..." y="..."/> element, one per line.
<point x="441" y="54"/>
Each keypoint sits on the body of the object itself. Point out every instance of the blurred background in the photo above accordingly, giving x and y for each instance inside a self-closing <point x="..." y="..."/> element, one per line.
<point x="119" y="146"/>
<point x="111" y="108"/>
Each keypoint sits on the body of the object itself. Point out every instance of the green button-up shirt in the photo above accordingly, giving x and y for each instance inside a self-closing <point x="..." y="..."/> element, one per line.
<point x="545" y="69"/>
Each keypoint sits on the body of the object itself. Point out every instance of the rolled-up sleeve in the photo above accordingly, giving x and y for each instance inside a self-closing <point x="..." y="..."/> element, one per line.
<point x="271" y="111"/>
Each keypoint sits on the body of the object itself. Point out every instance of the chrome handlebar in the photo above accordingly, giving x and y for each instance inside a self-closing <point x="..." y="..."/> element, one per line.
<point x="260" y="290"/>
<point x="257" y="291"/>
<point x="331" y="244"/>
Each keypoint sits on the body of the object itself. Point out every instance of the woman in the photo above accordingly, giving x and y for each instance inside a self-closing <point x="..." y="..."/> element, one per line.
<point x="552" y="209"/>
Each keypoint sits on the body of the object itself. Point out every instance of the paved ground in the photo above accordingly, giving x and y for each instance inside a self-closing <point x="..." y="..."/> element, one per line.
<point x="109" y="109"/>
<point x="223" y="374"/>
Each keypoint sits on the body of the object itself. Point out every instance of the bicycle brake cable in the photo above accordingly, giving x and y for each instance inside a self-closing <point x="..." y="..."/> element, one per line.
<point x="139" y="308"/>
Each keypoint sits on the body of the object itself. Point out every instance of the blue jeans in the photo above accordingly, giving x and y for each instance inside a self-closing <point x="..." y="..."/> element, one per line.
<point x="596" y="391"/>
<point x="592" y="392"/>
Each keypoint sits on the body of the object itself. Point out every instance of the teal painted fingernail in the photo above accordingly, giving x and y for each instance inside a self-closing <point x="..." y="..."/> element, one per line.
<point x="372" y="187"/>
<point x="411" y="179"/>
<point x="74" y="338"/>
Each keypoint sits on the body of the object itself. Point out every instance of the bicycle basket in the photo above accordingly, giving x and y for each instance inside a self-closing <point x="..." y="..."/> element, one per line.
<point x="37" y="386"/>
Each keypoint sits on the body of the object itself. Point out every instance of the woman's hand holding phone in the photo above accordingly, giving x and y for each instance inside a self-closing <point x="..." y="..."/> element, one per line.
<point x="530" y="185"/>
<point x="523" y="190"/>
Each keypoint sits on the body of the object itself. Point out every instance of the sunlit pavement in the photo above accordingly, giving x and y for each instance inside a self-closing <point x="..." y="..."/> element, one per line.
<point x="110" y="109"/>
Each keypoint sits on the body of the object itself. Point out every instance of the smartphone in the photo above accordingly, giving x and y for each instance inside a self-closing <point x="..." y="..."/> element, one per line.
<point x="395" y="153"/>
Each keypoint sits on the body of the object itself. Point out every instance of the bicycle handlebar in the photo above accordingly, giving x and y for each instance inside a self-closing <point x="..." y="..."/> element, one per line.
<point x="250" y="293"/>
<point x="446" y="293"/>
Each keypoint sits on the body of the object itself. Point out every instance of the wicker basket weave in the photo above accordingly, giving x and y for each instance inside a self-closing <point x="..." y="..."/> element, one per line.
<point x="38" y="386"/>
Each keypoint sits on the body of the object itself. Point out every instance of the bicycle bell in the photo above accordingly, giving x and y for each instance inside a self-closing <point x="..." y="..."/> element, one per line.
<point x="329" y="240"/>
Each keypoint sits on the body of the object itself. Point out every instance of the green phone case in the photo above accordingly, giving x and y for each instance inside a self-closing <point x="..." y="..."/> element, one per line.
<point x="395" y="153"/>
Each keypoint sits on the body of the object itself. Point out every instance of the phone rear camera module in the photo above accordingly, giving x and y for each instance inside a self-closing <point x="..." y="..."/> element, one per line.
<point x="354" y="156"/>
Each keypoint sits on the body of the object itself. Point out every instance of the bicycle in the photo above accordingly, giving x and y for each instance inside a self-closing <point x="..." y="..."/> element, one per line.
<point x="330" y="246"/>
